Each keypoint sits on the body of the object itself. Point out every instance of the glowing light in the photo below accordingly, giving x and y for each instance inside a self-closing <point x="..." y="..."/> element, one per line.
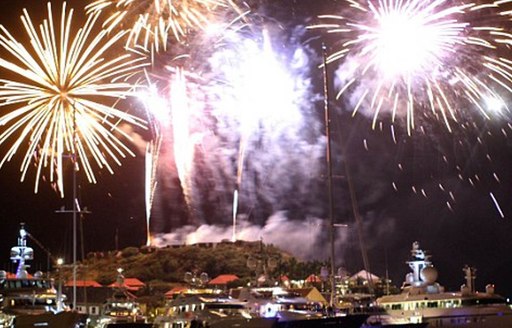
<point x="397" y="56"/>
<point x="57" y="104"/>
<point x="495" y="105"/>
<point x="235" y="212"/>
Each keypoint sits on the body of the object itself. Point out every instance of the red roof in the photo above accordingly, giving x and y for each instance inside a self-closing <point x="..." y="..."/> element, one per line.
<point x="129" y="284"/>
<point x="223" y="279"/>
<point x="133" y="282"/>
<point x="313" y="278"/>
<point x="83" y="283"/>
<point x="13" y="275"/>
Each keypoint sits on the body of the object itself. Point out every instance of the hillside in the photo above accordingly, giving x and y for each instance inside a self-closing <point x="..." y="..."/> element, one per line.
<point x="167" y="266"/>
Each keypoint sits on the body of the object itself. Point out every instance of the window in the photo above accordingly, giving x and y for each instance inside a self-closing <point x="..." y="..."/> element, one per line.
<point x="396" y="306"/>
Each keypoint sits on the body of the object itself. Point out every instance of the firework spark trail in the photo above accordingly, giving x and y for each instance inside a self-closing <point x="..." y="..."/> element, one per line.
<point x="181" y="122"/>
<point x="54" y="97"/>
<point x="497" y="205"/>
<point x="151" y="22"/>
<point x="398" y="56"/>
<point x="235" y="214"/>
<point x="150" y="182"/>
<point x="239" y="172"/>
<point x="157" y="110"/>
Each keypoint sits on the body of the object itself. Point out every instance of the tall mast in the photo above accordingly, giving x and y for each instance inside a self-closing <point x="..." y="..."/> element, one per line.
<point x="75" y="209"/>
<point x="329" y="172"/>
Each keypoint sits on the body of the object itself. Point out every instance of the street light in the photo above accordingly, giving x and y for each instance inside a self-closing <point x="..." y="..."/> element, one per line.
<point x="60" y="262"/>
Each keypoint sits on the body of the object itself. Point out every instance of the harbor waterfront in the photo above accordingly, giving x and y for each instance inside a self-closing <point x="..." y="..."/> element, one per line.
<point x="198" y="301"/>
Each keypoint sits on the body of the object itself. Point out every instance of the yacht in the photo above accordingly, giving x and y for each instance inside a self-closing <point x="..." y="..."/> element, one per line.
<point x="120" y="310"/>
<point x="30" y="301"/>
<point x="208" y="308"/>
<point x="291" y="310"/>
<point x="424" y="300"/>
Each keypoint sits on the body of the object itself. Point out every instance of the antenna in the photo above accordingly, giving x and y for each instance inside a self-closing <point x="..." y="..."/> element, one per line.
<point x="22" y="253"/>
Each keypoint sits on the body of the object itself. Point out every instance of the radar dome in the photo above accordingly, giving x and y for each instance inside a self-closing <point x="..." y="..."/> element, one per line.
<point x="204" y="278"/>
<point x="429" y="274"/>
<point x="188" y="277"/>
<point x="409" y="278"/>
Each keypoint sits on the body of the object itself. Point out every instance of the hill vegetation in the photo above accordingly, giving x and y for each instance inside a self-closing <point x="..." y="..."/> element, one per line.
<point x="168" y="266"/>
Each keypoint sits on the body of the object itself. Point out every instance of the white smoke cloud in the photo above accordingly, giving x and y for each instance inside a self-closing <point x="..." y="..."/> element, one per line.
<point x="303" y="239"/>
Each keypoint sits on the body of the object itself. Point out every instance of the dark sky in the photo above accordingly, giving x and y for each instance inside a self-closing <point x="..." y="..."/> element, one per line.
<point x="468" y="231"/>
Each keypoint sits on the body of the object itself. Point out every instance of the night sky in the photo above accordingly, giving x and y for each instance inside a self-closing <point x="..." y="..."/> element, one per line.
<point x="283" y="194"/>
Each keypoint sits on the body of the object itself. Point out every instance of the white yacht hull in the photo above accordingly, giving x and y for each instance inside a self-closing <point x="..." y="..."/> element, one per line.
<point x="475" y="317"/>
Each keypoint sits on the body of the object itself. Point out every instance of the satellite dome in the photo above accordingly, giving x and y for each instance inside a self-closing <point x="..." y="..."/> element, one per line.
<point x="409" y="278"/>
<point x="429" y="274"/>
<point x="204" y="278"/>
<point x="188" y="277"/>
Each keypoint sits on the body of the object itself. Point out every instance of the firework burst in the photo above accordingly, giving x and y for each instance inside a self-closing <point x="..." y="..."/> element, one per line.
<point x="55" y="105"/>
<point x="401" y="55"/>
<point x="151" y="22"/>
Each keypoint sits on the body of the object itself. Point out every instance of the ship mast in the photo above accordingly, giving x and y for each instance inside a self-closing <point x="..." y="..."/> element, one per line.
<point x="329" y="172"/>
<point x="75" y="207"/>
<point x="75" y="200"/>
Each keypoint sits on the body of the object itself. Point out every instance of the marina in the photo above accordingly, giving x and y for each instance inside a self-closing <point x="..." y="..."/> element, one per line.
<point x="33" y="301"/>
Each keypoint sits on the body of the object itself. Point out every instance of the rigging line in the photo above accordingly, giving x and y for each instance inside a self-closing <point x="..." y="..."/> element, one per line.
<point x="356" y="213"/>
<point x="50" y="256"/>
